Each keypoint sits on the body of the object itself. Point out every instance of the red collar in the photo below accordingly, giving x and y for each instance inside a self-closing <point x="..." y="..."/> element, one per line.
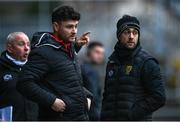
<point x="67" y="46"/>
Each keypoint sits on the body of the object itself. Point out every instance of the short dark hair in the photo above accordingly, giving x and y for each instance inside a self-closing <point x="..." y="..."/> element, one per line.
<point x="93" y="44"/>
<point x="64" y="13"/>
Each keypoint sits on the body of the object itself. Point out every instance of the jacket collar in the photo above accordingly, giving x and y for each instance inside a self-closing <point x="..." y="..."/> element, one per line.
<point x="44" y="39"/>
<point x="4" y="61"/>
<point x="19" y="63"/>
<point x="115" y="58"/>
<point x="47" y="39"/>
<point x="67" y="46"/>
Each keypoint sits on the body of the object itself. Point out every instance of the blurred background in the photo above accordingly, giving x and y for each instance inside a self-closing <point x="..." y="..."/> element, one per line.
<point x="160" y="27"/>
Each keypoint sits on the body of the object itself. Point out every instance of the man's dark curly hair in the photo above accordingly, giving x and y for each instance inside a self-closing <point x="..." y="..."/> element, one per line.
<point x="64" y="13"/>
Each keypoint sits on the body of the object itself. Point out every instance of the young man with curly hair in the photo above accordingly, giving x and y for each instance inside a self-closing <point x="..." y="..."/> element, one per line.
<point x="52" y="75"/>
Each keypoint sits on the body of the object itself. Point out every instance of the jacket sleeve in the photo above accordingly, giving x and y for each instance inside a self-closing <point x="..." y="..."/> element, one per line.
<point x="3" y="85"/>
<point x="3" y="91"/>
<point x="154" y="86"/>
<point x="77" y="48"/>
<point x="87" y="92"/>
<point x="31" y="75"/>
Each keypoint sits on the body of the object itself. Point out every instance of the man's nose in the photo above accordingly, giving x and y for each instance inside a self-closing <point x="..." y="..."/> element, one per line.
<point x="26" y="48"/>
<point x="74" y="30"/>
<point x="131" y="35"/>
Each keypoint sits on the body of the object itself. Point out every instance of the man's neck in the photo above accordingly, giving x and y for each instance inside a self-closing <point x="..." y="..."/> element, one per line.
<point x="67" y="46"/>
<point x="60" y="39"/>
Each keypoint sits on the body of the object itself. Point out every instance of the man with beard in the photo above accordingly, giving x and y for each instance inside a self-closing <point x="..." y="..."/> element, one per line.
<point x="11" y="62"/>
<point x="52" y="76"/>
<point x="134" y="87"/>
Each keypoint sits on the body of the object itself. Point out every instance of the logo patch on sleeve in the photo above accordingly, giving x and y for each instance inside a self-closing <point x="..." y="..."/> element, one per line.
<point x="111" y="73"/>
<point x="7" y="77"/>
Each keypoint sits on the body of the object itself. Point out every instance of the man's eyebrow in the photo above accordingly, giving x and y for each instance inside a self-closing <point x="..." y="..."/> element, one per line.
<point x="19" y="41"/>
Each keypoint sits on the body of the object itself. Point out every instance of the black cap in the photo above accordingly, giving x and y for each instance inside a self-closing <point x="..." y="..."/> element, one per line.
<point x="125" y="22"/>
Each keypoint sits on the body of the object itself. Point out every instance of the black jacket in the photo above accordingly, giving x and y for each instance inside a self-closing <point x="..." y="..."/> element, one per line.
<point x="23" y="109"/>
<point x="51" y="73"/>
<point x="134" y="87"/>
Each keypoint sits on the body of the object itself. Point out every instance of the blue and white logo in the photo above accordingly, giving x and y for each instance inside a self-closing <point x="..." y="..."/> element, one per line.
<point x="7" y="77"/>
<point x="110" y="73"/>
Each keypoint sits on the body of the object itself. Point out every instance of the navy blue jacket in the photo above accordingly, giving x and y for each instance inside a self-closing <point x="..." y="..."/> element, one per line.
<point x="92" y="81"/>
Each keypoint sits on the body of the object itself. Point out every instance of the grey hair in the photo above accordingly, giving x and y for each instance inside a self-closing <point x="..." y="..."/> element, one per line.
<point x="12" y="36"/>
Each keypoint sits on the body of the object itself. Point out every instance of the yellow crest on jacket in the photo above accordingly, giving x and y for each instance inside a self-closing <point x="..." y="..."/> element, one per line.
<point x="128" y="69"/>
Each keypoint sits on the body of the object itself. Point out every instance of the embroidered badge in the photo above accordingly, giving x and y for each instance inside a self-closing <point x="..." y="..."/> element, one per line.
<point x="128" y="69"/>
<point x="7" y="77"/>
<point x="110" y="73"/>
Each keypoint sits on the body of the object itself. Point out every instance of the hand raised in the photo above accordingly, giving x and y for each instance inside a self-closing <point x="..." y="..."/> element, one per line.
<point x="84" y="39"/>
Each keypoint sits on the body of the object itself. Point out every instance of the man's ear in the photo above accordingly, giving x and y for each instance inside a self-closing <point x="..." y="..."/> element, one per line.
<point x="55" y="26"/>
<point x="9" y="48"/>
